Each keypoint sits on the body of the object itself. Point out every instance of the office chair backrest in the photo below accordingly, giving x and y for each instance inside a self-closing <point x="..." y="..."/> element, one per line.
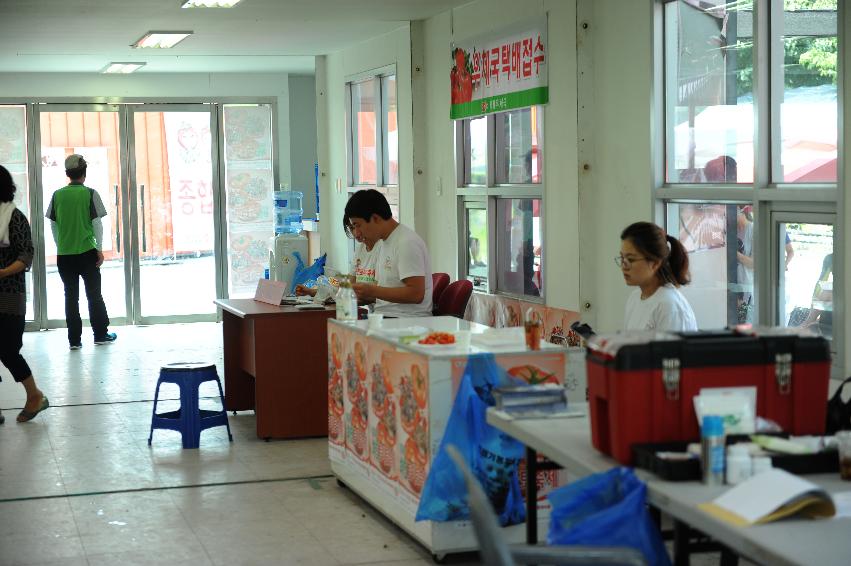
<point x="453" y="301"/>
<point x="439" y="283"/>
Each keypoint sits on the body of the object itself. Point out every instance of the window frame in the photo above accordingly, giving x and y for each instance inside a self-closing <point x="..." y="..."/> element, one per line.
<point x="377" y="78"/>
<point x="770" y="199"/>
<point x="487" y="196"/>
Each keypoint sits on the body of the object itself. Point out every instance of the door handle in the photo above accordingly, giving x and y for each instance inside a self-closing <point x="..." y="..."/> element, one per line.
<point x="144" y="235"/>
<point x="117" y="223"/>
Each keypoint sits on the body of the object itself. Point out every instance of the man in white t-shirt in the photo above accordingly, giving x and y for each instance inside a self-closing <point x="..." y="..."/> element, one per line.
<point x="403" y="268"/>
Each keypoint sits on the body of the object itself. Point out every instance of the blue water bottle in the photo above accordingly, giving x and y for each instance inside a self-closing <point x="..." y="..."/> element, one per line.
<point x="712" y="444"/>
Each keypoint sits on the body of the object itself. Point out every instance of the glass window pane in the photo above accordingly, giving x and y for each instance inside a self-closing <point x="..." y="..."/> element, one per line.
<point x="721" y="291"/>
<point x="363" y="132"/>
<point x="13" y="156"/>
<point x="709" y="92"/>
<point x="477" y="246"/>
<point x="477" y="142"/>
<point x="248" y="192"/>
<point x="808" y="119"/>
<point x="519" y="159"/>
<point x="391" y="131"/>
<point x="519" y="246"/>
<point x="806" y="281"/>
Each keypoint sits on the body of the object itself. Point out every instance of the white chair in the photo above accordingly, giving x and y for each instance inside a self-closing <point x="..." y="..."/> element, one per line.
<point x="493" y="551"/>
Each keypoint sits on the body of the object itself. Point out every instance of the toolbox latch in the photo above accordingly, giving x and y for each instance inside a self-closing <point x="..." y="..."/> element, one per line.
<point x="671" y="378"/>
<point x="783" y="372"/>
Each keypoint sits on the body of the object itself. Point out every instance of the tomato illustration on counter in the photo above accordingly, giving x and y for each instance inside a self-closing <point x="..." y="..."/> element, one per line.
<point x="381" y="390"/>
<point x="414" y="466"/>
<point x="532" y="375"/>
<point x="335" y="407"/>
<point x="420" y="386"/>
<point x="360" y="360"/>
<point x="352" y="379"/>
<point x="336" y="351"/>
<point x="407" y="405"/>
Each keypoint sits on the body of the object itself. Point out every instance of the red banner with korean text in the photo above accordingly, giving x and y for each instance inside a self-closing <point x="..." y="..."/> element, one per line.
<point x="500" y="71"/>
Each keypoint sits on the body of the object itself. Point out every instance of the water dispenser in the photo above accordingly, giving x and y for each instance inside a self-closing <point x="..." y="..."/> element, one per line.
<point x="288" y="211"/>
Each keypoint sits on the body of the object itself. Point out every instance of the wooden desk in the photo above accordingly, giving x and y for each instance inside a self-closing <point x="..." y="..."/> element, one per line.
<point x="276" y="362"/>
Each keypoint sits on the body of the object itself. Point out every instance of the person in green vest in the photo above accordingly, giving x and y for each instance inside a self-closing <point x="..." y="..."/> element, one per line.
<point x="75" y="212"/>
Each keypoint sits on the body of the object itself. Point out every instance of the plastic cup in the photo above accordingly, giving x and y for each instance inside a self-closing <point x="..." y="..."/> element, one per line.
<point x="374" y="320"/>
<point x="843" y="439"/>
<point x="462" y="339"/>
<point x="534" y="330"/>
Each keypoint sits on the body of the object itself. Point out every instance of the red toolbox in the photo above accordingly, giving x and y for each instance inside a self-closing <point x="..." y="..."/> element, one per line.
<point x="641" y="385"/>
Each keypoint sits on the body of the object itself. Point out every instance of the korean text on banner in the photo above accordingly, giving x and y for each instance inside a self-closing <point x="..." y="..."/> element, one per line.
<point x="500" y="71"/>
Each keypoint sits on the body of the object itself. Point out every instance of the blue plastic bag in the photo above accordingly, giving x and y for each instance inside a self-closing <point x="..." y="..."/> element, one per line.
<point x="304" y="275"/>
<point x="492" y="455"/>
<point x="606" y="509"/>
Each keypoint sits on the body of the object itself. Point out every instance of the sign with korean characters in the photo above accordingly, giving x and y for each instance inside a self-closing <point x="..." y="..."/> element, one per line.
<point x="500" y="71"/>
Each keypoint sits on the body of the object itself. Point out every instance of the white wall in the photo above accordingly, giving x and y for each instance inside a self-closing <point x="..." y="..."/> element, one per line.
<point x="158" y="87"/>
<point x="617" y="188"/>
<point x="561" y="197"/>
<point x="332" y="72"/>
<point x="302" y="111"/>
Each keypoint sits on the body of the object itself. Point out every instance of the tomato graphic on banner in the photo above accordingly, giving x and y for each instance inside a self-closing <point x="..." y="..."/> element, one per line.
<point x="383" y="418"/>
<point x="409" y="375"/>
<point x="337" y="338"/>
<point x="357" y="397"/>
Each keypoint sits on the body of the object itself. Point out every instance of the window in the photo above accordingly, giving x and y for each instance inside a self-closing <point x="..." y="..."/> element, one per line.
<point x="721" y="290"/>
<point x="476" y="230"/>
<point x="373" y="139"/>
<point x="364" y="137"/>
<point x="805" y="265"/>
<point x="518" y="246"/>
<point x="749" y="115"/>
<point x="13" y="156"/>
<point x="500" y="177"/>
<point x="518" y="159"/>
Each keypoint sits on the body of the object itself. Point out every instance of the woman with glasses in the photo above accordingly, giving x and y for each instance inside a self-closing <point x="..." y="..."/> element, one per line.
<point x="658" y="265"/>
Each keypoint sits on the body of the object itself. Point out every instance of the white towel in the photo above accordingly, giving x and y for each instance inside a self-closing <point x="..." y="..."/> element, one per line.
<point x="6" y="210"/>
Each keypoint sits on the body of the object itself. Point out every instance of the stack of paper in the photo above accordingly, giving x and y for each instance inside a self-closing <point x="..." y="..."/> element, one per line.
<point x="769" y="496"/>
<point x="531" y="399"/>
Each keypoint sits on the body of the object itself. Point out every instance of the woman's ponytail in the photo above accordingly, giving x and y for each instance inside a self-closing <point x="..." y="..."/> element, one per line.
<point x="678" y="261"/>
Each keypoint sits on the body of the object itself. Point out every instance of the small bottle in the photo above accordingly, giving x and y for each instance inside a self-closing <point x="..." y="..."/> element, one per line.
<point x="712" y="449"/>
<point x="738" y="464"/>
<point x="347" y="301"/>
<point x="760" y="464"/>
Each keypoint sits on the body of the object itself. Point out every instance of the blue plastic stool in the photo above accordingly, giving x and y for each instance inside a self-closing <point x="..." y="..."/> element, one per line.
<point x="189" y="420"/>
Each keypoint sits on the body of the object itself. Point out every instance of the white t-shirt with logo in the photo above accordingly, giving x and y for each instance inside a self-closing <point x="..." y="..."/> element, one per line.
<point x="666" y="310"/>
<point x="365" y="264"/>
<point x="403" y="254"/>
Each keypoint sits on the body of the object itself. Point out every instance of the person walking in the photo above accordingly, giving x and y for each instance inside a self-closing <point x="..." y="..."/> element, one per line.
<point x="75" y="212"/>
<point x="16" y="256"/>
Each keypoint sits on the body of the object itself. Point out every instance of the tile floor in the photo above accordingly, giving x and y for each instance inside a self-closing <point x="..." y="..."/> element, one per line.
<point x="79" y="485"/>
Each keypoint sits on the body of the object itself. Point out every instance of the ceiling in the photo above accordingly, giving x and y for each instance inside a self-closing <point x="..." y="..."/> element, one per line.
<point x="83" y="36"/>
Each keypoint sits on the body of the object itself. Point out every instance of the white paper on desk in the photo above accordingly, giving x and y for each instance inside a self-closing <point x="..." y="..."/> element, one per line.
<point x="763" y="494"/>
<point x="843" y="503"/>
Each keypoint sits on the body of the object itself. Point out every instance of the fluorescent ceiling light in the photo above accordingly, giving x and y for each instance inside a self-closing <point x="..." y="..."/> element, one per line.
<point x="161" y="39"/>
<point x="123" y="68"/>
<point x="209" y="3"/>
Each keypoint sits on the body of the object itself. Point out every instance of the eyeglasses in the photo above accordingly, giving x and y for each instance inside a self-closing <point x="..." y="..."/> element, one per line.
<point x="622" y="261"/>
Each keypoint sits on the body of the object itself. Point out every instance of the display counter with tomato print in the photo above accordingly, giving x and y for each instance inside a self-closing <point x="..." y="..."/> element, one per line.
<point x="390" y="393"/>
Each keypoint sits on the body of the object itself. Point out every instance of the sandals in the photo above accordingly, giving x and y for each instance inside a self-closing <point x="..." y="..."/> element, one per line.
<point x="25" y="415"/>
